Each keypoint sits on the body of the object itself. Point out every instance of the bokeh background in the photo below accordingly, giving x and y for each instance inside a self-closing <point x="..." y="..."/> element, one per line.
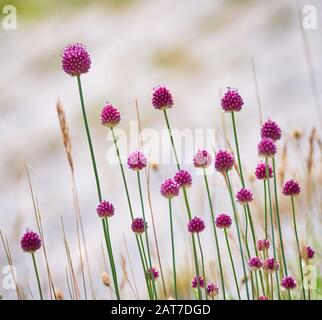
<point x="196" y="48"/>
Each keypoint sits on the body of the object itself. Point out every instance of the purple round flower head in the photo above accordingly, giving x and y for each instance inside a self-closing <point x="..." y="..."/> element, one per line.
<point x="270" y="129"/>
<point x="263" y="298"/>
<point x="196" y="225"/>
<point x="288" y="283"/>
<point x="267" y="148"/>
<point x="291" y="188"/>
<point x="260" y="171"/>
<point x="136" y="160"/>
<point x="138" y="225"/>
<point x="105" y="209"/>
<point x="244" y="196"/>
<point x="212" y="290"/>
<point x="255" y="263"/>
<point x="110" y="116"/>
<point x="223" y="221"/>
<point x="162" y="98"/>
<point x="30" y="241"/>
<point x="232" y="101"/>
<point x="202" y="159"/>
<point x="307" y="253"/>
<point x="197" y="280"/>
<point x="152" y="274"/>
<point x="183" y="179"/>
<point x="75" y="59"/>
<point x="263" y="245"/>
<point x="270" y="265"/>
<point x="224" y="161"/>
<point x="169" y="189"/>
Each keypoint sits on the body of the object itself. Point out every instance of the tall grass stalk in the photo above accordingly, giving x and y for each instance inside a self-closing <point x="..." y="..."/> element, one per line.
<point x="173" y="253"/>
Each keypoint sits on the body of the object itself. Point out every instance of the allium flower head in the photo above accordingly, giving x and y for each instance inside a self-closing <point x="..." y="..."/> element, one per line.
<point x="270" y="265"/>
<point x="152" y="274"/>
<point x="138" y="225"/>
<point x="232" y="101"/>
<point x="288" y="283"/>
<point x="137" y="160"/>
<point x="202" y="159"/>
<point x="263" y="245"/>
<point x="255" y="263"/>
<point x="244" y="196"/>
<point x="223" y="221"/>
<point x="30" y="241"/>
<point x="110" y="116"/>
<point x="212" y="290"/>
<point x="197" y="280"/>
<point x="183" y="179"/>
<point x="307" y="253"/>
<point x="291" y="188"/>
<point x="196" y="225"/>
<point x="263" y="298"/>
<point x="75" y="59"/>
<point x="270" y="129"/>
<point x="162" y="98"/>
<point x="105" y="209"/>
<point x="267" y="148"/>
<point x="169" y="189"/>
<point x="224" y="161"/>
<point x="260" y="171"/>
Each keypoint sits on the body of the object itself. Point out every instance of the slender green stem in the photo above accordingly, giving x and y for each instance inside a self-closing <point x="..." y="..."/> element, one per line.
<point x="232" y="263"/>
<point x="216" y="237"/>
<point x="272" y="226"/>
<point x="238" y="232"/>
<point x="298" y="246"/>
<point x="202" y="265"/>
<point x="146" y="234"/>
<point x="99" y="193"/>
<point x="265" y="209"/>
<point x="257" y="286"/>
<point x="145" y="266"/>
<point x="37" y="276"/>
<point x="173" y="253"/>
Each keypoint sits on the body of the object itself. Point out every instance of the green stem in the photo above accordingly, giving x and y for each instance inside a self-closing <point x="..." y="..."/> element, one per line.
<point x="232" y="263"/>
<point x="173" y="253"/>
<point x="37" y="275"/>
<point x="216" y="237"/>
<point x="272" y="226"/>
<point x="145" y="266"/>
<point x="146" y="234"/>
<point x="238" y="232"/>
<point x="298" y="246"/>
<point x="99" y="193"/>
<point x="265" y="209"/>
<point x="202" y="265"/>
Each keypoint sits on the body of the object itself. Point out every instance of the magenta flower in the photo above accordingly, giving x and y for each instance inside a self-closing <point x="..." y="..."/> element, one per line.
<point x="291" y="188"/>
<point x="110" y="116"/>
<point x="244" y="196"/>
<point x="270" y="129"/>
<point x="212" y="290"/>
<point x="137" y="160"/>
<point x="255" y="263"/>
<point x="267" y="148"/>
<point x="138" y="226"/>
<point x="263" y="245"/>
<point x="197" y="280"/>
<point x="152" y="274"/>
<point x="224" y="161"/>
<point x="270" y="265"/>
<point x="75" y="59"/>
<point x="162" y="98"/>
<point x="202" y="159"/>
<point x="223" y="221"/>
<point x="232" y="101"/>
<point x="30" y="241"/>
<point x="183" y="179"/>
<point x="105" y="209"/>
<point x="263" y="298"/>
<point x="196" y="225"/>
<point x="288" y="283"/>
<point x="307" y="253"/>
<point x="169" y="189"/>
<point x="260" y="171"/>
